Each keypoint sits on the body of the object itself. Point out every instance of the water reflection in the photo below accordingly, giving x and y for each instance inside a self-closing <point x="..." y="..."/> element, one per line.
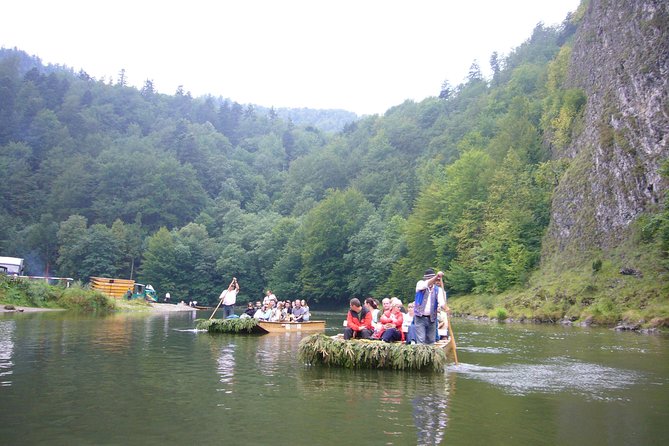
<point x="226" y="366"/>
<point x="274" y="351"/>
<point x="430" y="414"/>
<point x="7" y="329"/>
<point x="405" y="404"/>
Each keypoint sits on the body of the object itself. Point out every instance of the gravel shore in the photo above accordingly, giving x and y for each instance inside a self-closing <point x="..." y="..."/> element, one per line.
<point x="154" y="306"/>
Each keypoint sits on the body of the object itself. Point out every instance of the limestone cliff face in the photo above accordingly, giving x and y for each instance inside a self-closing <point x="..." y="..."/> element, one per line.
<point x="620" y="59"/>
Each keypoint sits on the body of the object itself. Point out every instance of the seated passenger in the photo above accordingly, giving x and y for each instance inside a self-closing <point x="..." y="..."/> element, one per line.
<point x="250" y="311"/>
<point x="298" y="312"/>
<point x="281" y="312"/>
<point x="373" y="306"/>
<point x="407" y="325"/>
<point x="358" y="321"/>
<point x="392" y="323"/>
<point x="263" y="313"/>
<point x="307" y="314"/>
<point x="275" y="313"/>
<point x="442" y="325"/>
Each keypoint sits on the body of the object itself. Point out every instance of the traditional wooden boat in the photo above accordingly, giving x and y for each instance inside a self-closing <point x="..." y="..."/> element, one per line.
<point x="362" y="353"/>
<point x="254" y="326"/>
<point x="287" y="327"/>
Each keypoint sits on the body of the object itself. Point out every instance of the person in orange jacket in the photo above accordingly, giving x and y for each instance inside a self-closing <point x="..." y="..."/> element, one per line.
<point x="358" y="321"/>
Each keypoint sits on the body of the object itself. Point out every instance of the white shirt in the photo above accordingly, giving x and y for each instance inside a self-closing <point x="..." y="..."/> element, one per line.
<point x="441" y="296"/>
<point x="229" y="297"/>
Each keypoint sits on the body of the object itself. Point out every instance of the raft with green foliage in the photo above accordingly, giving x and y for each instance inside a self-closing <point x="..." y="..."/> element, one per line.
<point x="237" y="325"/>
<point x="254" y="326"/>
<point x="358" y="354"/>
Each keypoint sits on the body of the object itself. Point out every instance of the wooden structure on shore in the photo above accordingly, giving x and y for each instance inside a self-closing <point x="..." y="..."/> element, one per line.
<point x="362" y="353"/>
<point x="112" y="287"/>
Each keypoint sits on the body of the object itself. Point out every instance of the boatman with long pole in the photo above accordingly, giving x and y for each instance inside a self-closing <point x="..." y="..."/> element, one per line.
<point x="229" y="297"/>
<point x="430" y="297"/>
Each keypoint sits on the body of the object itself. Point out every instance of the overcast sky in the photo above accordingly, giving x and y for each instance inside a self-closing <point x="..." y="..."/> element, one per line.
<point x="363" y="56"/>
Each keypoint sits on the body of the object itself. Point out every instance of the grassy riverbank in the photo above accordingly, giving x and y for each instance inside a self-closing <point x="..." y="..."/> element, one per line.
<point x="38" y="294"/>
<point x="631" y="289"/>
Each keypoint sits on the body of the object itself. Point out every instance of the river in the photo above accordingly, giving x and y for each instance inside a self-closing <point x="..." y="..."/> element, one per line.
<point x="129" y="379"/>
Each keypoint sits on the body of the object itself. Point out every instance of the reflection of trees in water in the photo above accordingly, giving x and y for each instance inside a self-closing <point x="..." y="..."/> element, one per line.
<point x="6" y="351"/>
<point x="403" y="400"/>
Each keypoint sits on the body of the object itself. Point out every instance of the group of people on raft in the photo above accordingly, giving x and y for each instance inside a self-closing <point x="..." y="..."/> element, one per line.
<point x="423" y="322"/>
<point x="274" y="310"/>
<point x="271" y="309"/>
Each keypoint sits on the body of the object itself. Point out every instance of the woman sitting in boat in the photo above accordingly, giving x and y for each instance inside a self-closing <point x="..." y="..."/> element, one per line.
<point x="391" y="323"/>
<point x="250" y="310"/>
<point x="307" y="313"/>
<point x="373" y="307"/>
<point x="276" y="311"/>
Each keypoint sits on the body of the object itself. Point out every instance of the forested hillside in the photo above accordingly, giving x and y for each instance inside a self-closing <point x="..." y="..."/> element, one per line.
<point x="184" y="193"/>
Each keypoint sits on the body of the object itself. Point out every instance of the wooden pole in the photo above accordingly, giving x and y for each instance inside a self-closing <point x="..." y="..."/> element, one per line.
<point x="219" y="304"/>
<point x="450" y="329"/>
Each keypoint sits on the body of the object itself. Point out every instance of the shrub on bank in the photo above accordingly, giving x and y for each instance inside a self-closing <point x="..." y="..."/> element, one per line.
<point x="39" y="294"/>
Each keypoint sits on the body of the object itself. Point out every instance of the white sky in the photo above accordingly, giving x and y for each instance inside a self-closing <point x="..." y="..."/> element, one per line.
<point x="363" y="56"/>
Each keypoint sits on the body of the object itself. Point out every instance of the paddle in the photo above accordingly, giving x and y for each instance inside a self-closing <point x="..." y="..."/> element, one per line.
<point x="450" y="329"/>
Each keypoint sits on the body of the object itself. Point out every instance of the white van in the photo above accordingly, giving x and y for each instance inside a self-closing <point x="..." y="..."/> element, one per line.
<point x="13" y="266"/>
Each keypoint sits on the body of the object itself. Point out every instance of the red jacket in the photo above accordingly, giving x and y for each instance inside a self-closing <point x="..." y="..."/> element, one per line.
<point x="390" y="318"/>
<point x="395" y="319"/>
<point x="358" y="321"/>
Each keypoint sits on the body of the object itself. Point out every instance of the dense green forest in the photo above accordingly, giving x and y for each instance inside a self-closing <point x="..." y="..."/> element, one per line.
<point x="101" y="179"/>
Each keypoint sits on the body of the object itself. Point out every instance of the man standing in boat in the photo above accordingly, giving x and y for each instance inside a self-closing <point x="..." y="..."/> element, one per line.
<point x="229" y="297"/>
<point x="430" y="298"/>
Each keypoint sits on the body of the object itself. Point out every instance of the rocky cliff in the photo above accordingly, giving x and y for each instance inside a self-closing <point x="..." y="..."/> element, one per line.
<point x="620" y="60"/>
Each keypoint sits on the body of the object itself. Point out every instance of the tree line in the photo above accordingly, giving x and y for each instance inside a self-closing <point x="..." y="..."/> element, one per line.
<point x="101" y="179"/>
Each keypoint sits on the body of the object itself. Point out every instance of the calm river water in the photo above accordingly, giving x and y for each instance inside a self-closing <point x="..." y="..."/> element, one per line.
<point x="154" y="380"/>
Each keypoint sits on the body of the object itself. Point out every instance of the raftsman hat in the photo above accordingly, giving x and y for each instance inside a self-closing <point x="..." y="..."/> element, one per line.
<point x="429" y="273"/>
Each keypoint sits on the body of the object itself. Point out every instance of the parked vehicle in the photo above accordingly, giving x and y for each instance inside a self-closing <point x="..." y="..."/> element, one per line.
<point x="12" y="266"/>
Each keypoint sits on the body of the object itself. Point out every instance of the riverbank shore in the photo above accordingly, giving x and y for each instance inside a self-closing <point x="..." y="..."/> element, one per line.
<point x="121" y="306"/>
<point x="18" y="309"/>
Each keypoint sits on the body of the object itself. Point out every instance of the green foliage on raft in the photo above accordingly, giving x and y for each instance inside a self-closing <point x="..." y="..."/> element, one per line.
<point x="248" y="325"/>
<point x="322" y="349"/>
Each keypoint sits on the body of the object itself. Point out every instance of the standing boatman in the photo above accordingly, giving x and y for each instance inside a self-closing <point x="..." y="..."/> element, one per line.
<point x="430" y="298"/>
<point x="229" y="297"/>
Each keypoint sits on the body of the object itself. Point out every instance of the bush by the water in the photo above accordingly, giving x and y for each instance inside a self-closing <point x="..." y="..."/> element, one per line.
<point x="39" y="294"/>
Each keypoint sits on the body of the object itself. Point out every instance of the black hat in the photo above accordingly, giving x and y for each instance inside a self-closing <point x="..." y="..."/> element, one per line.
<point x="429" y="273"/>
